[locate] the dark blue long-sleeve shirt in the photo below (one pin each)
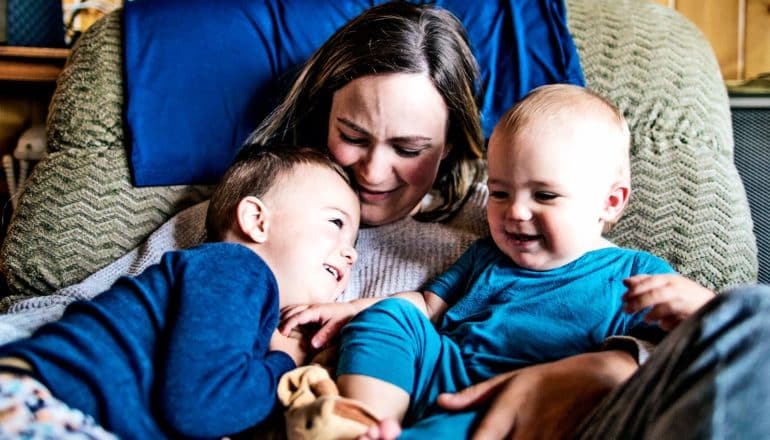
(180, 350)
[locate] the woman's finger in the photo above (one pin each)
(499, 422)
(473, 395)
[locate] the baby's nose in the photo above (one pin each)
(350, 255)
(519, 211)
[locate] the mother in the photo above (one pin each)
(391, 95)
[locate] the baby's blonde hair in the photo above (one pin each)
(555, 102)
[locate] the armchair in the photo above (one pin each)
(79, 210)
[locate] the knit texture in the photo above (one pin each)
(79, 211)
(392, 258)
(688, 204)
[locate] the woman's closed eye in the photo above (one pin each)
(406, 152)
(353, 140)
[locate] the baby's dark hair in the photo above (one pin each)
(254, 171)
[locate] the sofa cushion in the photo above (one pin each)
(687, 205)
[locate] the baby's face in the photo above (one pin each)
(548, 194)
(313, 223)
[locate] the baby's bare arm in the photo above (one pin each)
(428, 302)
(333, 316)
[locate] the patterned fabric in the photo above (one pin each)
(688, 205)
(35, 23)
(29, 411)
(79, 211)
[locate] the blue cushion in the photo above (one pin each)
(201, 74)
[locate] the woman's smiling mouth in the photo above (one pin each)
(373, 196)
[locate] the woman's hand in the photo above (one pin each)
(544, 401)
(330, 317)
(671, 298)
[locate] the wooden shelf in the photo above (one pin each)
(31, 64)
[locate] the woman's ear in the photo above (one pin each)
(616, 201)
(253, 218)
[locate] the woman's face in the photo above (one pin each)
(389, 131)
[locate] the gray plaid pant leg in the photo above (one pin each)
(709, 378)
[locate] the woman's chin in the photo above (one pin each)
(380, 219)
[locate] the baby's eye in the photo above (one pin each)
(498, 194)
(545, 196)
(337, 222)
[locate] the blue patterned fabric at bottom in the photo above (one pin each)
(29, 411)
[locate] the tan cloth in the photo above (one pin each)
(315, 410)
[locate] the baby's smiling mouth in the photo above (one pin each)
(333, 271)
(524, 237)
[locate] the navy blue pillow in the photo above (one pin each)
(201, 74)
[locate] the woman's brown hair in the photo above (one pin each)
(395, 37)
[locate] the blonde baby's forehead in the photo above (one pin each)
(557, 104)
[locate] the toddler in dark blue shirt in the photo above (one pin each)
(189, 348)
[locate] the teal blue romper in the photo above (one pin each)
(501, 317)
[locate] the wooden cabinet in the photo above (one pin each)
(27, 81)
(739, 32)
(30, 64)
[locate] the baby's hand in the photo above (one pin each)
(330, 317)
(293, 343)
(672, 297)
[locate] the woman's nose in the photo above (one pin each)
(375, 166)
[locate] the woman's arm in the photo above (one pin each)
(544, 401)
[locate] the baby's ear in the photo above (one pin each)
(616, 201)
(253, 218)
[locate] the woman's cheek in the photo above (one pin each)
(343, 154)
(423, 172)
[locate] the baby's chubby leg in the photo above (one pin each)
(392, 359)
